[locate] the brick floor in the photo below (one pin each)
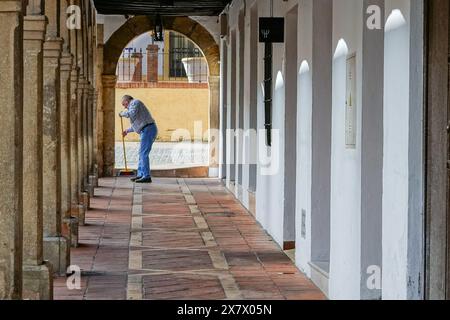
(186, 239)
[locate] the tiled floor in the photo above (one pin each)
(178, 239)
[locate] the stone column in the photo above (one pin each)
(80, 136)
(137, 59)
(55, 245)
(99, 87)
(214, 124)
(90, 123)
(91, 129)
(11, 151)
(81, 57)
(82, 146)
(81, 103)
(85, 129)
(77, 209)
(94, 176)
(109, 98)
(94, 164)
(85, 117)
(56, 248)
(66, 68)
(152, 63)
(85, 102)
(37, 275)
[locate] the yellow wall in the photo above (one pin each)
(172, 109)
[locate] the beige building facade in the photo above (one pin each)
(178, 112)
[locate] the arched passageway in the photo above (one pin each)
(112, 51)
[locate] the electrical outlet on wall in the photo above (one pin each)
(351, 104)
(303, 224)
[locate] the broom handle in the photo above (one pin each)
(123, 143)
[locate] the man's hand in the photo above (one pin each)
(125, 133)
(120, 115)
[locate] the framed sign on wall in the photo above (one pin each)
(271, 30)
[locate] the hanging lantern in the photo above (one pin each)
(158, 33)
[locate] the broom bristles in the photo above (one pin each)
(125, 173)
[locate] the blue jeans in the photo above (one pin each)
(148, 137)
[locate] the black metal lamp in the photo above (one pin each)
(158, 33)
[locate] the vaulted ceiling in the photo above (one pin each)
(163, 7)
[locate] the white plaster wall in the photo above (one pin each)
(304, 137)
(270, 192)
(396, 141)
(231, 99)
(270, 189)
(241, 93)
(345, 249)
(223, 107)
(246, 142)
(232, 168)
(345, 258)
(269, 195)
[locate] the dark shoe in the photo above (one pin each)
(144, 180)
(135, 178)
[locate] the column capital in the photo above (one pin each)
(34, 27)
(83, 83)
(81, 77)
(11, 6)
(66, 62)
(91, 89)
(75, 71)
(214, 80)
(109, 81)
(52, 47)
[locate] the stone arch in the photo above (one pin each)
(141, 24)
(112, 51)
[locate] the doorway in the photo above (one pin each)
(171, 78)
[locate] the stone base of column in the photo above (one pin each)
(66, 226)
(85, 200)
(93, 181)
(57, 252)
(96, 175)
(74, 232)
(38, 282)
(79, 212)
(90, 189)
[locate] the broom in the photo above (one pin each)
(126, 172)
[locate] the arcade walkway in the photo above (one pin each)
(178, 239)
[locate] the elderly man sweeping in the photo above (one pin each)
(143, 124)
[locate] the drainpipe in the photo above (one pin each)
(268, 66)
